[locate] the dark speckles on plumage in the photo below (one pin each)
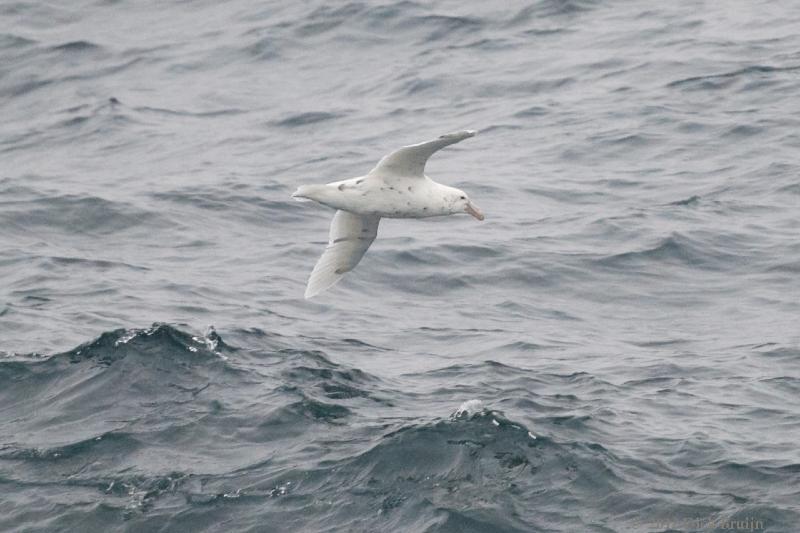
(391, 188)
(409, 188)
(358, 182)
(424, 208)
(341, 187)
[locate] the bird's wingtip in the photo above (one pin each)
(318, 285)
(459, 135)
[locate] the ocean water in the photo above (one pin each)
(616, 348)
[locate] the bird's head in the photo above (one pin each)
(459, 202)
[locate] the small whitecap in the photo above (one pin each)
(469, 408)
(211, 338)
(280, 490)
(127, 337)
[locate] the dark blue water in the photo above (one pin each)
(616, 348)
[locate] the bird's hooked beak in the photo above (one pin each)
(473, 210)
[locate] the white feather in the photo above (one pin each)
(350, 237)
(409, 161)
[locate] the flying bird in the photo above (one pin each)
(396, 188)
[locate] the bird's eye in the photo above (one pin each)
(463, 197)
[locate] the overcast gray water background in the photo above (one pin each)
(627, 315)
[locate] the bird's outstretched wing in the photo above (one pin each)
(349, 239)
(409, 161)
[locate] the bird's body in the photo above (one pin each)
(396, 188)
(374, 195)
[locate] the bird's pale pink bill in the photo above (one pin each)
(473, 210)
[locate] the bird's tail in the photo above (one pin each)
(304, 193)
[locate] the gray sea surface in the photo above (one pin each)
(615, 348)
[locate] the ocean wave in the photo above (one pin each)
(614, 348)
(77, 214)
(726, 79)
(678, 249)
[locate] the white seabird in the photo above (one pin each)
(396, 188)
